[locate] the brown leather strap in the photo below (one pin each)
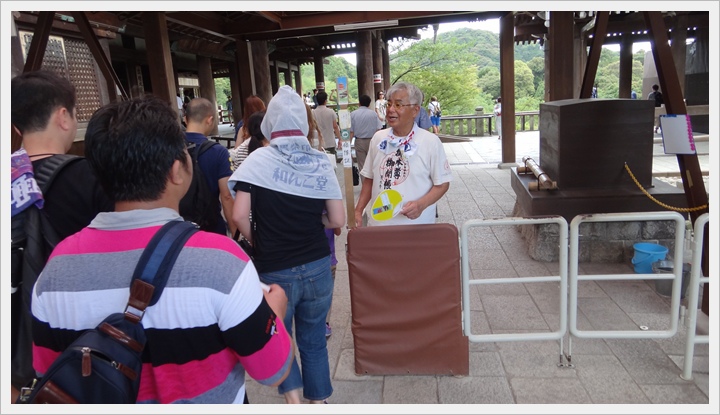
(140, 296)
(52, 394)
(120, 336)
(128, 372)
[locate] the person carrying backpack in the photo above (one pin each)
(211, 325)
(54, 195)
(204, 200)
(656, 96)
(435, 113)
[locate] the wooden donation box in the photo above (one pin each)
(405, 294)
(585, 143)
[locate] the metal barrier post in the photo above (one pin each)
(696, 279)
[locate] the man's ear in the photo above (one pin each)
(64, 118)
(178, 173)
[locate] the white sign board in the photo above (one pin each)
(677, 134)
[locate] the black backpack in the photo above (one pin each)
(199, 205)
(657, 96)
(658, 99)
(103, 365)
(33, 239)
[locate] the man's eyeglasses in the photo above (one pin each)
(398, 105)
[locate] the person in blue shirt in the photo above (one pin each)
(201, 119)
(423, 119)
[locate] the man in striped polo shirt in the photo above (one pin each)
(213, 322)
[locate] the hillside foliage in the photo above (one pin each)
(462, 69)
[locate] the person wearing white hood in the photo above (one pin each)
(287, 186)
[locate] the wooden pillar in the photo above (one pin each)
(111, 90)
(102, 58)
(261, 69)
(135, 89)
(246, 75)
(235, 91)
(298, 80)
(288, 76)
(36, 53)
(561, 64)
(207, 85)
(625, 75)
(688, 163)
(678, 37)
(386, 66)
(364, 62)
(319, 71)
(274, 77)
(601, 21)
(580, 59)
(507, 87)
(377, 63)
(157, 44)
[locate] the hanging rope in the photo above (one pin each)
(666, 206)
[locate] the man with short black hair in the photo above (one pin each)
(327, 123)
(656, 96)
(364, 123)
(44, 113)
(212, 324)
(215, 162)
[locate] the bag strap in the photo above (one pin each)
(50, 168)
(205, 146)
(153, 269)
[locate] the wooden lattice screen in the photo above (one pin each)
(72, 59)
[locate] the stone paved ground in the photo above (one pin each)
(606, 371)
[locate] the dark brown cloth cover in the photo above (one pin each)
(405, 294)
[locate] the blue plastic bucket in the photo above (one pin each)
(645, 254)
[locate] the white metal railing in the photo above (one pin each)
(562, 279)
(696, 279)
(676, 276)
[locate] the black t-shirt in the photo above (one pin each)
(289, 231)
(74, 198)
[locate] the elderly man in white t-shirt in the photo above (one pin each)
(406, 159)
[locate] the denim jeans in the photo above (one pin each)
(309, 289)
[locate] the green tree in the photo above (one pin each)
(537, 66)
(489, 81)
(222, 90)
(442, 69)
(524, 81)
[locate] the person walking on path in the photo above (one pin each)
(285, 188)
(497, 112)
(326, 120)
(215, 162)
(44, 114)
(363, 124)
(656, 96)
(211, 325)
(435, 113)
(381, 109)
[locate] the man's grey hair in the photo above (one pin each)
(414, 94)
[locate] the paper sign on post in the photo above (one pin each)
(677, 134)
(346, 154)
(344, 119)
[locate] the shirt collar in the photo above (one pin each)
(133, 219)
